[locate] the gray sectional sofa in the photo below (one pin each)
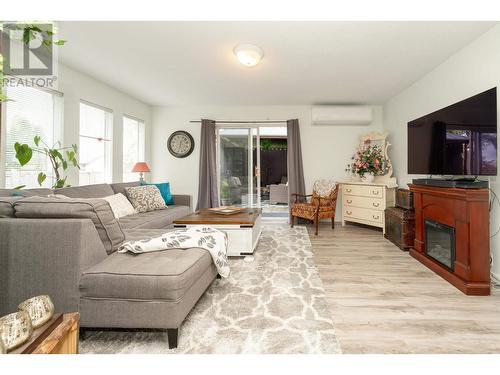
(66, 248)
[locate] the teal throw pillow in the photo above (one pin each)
(164, 188)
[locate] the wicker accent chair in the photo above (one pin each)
(322, 204)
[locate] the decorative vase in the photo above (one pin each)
(15, 329)
(39, 308)
(367, 178)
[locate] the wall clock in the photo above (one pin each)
(180, 144)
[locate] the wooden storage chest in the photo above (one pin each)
(400, 227)
(404, 199)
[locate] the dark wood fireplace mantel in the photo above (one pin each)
(465, 210)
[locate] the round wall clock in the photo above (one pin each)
(180, 144)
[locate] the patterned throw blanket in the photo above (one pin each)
(210, 239)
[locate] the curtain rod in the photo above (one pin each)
(244, 122)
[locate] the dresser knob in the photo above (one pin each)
(349, 201)
(348, 212)
(375, 192)
(376, 204)
(376, 217)
(348, 190)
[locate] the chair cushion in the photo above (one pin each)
(145, 198)
(154, 219)
(97, 210)
(307, 211)
(7, 206)
(161, 275)
(87, 191)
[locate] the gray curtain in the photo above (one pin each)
(296, 183)
(207, 186)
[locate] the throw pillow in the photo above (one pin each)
(145, 198)
(164, 188)
(120, 205)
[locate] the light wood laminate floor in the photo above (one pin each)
(384, 301)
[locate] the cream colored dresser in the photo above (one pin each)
(365, 203)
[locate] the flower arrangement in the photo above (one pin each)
(368, 159)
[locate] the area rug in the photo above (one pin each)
(275, 304)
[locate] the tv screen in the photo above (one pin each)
(460, 139)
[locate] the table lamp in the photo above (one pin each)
(141, 167)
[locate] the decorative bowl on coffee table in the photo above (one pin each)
(15, 329)
(39, 308)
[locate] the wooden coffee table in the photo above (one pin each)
(243, 229)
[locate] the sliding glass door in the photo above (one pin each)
(252, 168)
(238, 166)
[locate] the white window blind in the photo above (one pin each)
(133, 146)
(30, 112)
(95, 151)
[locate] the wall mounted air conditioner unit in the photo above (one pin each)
(341, 115)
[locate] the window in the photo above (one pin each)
(30, 112)
(133, 146)
(96, 129)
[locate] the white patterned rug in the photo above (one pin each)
(275, 304)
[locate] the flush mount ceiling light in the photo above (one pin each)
(248, 54)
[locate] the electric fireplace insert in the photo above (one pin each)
(440, 243)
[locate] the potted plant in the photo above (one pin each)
(368, 161)
(225, 193)
(61, 158)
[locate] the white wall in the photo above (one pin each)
(325, 149)
(470, 71)
(77, 86)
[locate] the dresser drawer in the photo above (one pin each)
(364, 191)
(364, 202)
(363, 214)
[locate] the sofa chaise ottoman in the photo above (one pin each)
(66, 248)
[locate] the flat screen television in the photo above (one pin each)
(459, 140)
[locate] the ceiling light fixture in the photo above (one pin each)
(248, 54)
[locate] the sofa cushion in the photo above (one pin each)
(7, 206)
(87, 191)
(42, 192)
(145, 198)
(97, 210)
(154, 219)
(119, 187)
(161, 275)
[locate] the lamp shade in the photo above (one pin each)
(141, 167)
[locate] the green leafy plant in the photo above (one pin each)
(61, 158)
(225, 190)
(267, 144)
